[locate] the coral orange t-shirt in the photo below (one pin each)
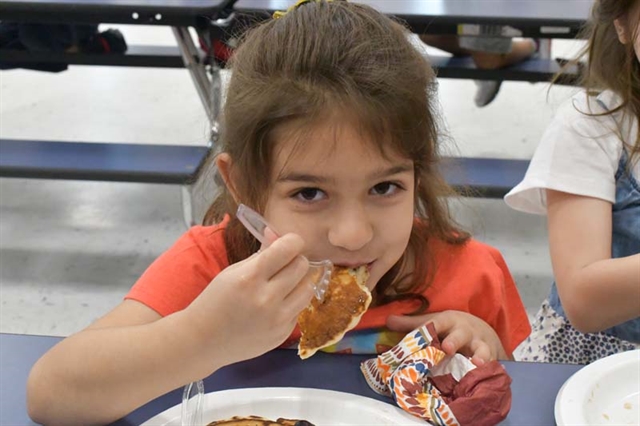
(472, 277)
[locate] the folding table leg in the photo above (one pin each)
(215, 102)
(187, 206)
(191, 57)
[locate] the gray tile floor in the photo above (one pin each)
(70, 250)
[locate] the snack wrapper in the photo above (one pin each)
(441, 389)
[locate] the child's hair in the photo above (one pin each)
(612, 65)
(322, 60)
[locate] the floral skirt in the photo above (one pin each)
(553, 339)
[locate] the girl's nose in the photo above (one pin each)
(351, 230)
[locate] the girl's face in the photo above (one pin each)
(349, 203)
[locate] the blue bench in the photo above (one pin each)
(483, 177)
(119, 162)
(136, 56)
(170, 164)
(531, 70)
(116, 162)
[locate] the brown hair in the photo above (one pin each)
(317, 59)
(611, 64)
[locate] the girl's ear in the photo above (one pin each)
(621, 30)
(225, 165)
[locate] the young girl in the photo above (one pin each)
(329, 131)
(585, 176)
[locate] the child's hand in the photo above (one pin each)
(252, 306)
(458, 332)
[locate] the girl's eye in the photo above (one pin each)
(309, 194)
(385, 188)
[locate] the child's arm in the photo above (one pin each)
(597, 292)
(458, 332)
(132, 355)
(107, 370)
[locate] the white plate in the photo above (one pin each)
(318, 406)
(606, 392)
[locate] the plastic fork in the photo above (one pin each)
(192, 402)
(319, 271)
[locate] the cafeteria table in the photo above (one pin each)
(527, 18)
(534, 385)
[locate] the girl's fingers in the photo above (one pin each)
(271, 236)
(449, 346)
(481, 353)
(403, 323)
(287, 279)
(456, 340)
(454, 336)
(446, 323)
(300, 296)
(279, 254)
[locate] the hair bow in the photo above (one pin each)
(280, 13)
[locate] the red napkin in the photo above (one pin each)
(441, 389)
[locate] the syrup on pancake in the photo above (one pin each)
(259, 421)
(324, 323)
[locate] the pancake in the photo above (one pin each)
(324, 323)
(259, 421)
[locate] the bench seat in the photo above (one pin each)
(136, 56)
(168, 164)
(483, 177)
(532, 70)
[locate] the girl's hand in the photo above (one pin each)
(252, 306)
(458, 332)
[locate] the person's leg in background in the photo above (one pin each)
(448, 43)
(494, 53)
(487, 53)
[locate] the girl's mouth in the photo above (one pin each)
(354, 265)
(370, 265)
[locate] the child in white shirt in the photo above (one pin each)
(585, 177)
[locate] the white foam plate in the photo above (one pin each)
(605, 392)
(318, 406)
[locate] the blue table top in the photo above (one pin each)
(520, 13)
(533, 18)
(460, 11)
(140, 12)
(534, 385)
